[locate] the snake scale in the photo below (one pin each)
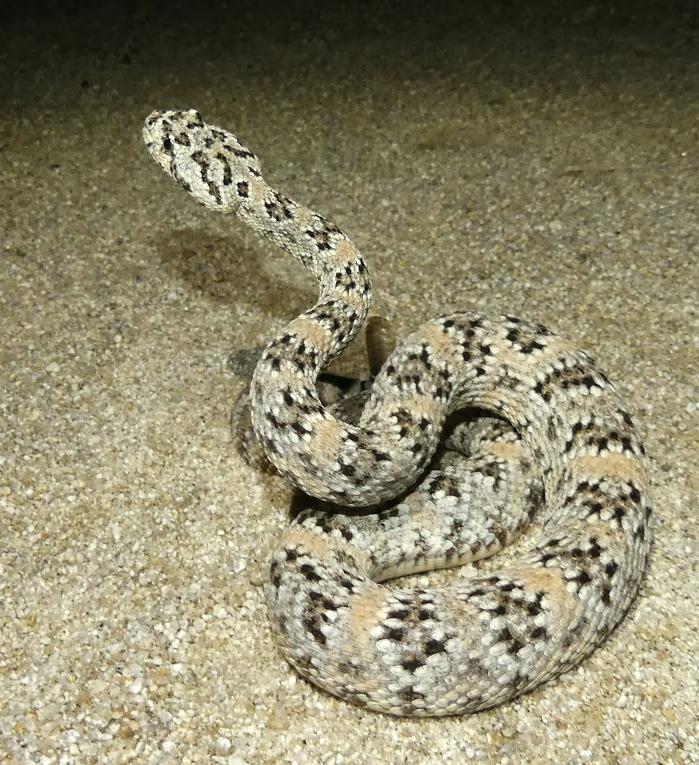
(559, 442)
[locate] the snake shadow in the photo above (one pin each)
(226, 270)
(229, 271)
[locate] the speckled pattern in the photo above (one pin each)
(546, 160)
(442, 651)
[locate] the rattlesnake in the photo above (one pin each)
(570, 452)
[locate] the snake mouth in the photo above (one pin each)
(157, 141)
(150, 126)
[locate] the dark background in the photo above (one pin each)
(72, 52)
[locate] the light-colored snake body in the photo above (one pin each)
(573, 455)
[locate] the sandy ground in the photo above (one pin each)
(519, 160)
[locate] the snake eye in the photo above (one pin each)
(167, 144)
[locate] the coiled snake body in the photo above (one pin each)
(571, 453)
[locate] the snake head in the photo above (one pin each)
(206, 161)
